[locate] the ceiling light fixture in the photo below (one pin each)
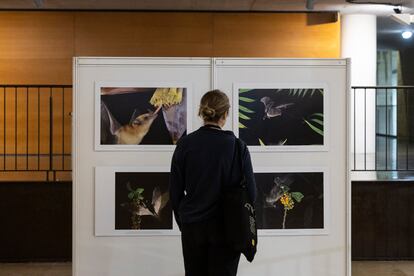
(407, 34)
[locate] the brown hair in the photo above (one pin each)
(213, 105)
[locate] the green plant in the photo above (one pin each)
(288, 201)
(315, 122)
(137, 198)
(243, 110)
(302, 92)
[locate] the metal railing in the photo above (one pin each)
(35, 139)
(380, 128)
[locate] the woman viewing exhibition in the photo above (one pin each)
(202, 164)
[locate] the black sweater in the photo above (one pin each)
(201, 164)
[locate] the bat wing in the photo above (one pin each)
(284, 106)
(159, 200)
(108, 118)
(143, 211)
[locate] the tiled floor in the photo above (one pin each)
(402, 268)
(36, 269)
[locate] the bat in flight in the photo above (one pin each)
(272, 109)
(131, 133)
(279, 185)
(153, 207)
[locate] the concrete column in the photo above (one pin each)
(359, 42)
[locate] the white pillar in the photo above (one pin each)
(359, 42)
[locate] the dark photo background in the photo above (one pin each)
(148, 181)
(122, 107)
(307, 214)
(289, 125)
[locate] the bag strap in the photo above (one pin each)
(238, 159)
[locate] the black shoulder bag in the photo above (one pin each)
(239, 214)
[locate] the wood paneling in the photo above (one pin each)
(275, 35)
(36, 221)
(144, 34)
(382, 220)
(37, 47)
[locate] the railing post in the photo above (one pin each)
(50, 134)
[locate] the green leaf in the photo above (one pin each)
(241, 125)
(131, 195)
(242, 90)
(261, 142)
(244, 117)
(139, 190)
(318, 114)
(282, 142)
(246, 100)
(245, 109)
(314, 128)
(298, 196)
(140, 197)
(317, 121)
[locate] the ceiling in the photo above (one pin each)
(209, 5)
(388, 31)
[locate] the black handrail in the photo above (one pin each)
(384, 158)
(30, 103)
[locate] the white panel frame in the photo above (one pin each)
(105, 203)
(134, 84)
(90, 252)
(326, 202)
(298, 85)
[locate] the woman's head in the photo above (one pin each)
(214, 106)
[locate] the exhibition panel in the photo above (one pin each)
(130, 112)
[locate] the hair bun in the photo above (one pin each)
(208, 112)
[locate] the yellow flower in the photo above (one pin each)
(167, 96)
(287, 201)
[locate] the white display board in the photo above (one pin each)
(97, 250)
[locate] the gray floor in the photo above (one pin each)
(402, 268)
(36, 269)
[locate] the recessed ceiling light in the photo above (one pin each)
(407, 34)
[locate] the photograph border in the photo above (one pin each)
(97, 110)
(105, 202)
(326, 202)
(299, 85)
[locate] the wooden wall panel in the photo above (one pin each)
(144, 34)
(36, 47)
(276, 35)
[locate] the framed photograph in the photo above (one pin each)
(141, 116)
(133, 201)
(282, 117)
(292, 201)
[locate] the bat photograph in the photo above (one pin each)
(281, 117)
(293, 200)
(142, 116)
(142, 201)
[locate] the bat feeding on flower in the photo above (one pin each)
(280, 184)
(170, 100)
(140, 206)
(272, 109)
(131, 133)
